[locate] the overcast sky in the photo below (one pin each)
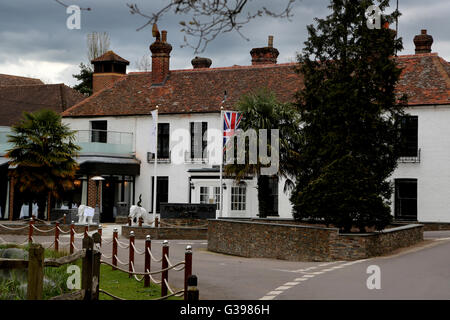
(35, 42)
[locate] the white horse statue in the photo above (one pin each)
(139, 212)
(85, 212)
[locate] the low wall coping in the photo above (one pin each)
(275, 224)
(404, 227)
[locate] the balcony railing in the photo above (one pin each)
(161, 159)
(410, 159)
(4, 144)
(104, 142)
(189, 159)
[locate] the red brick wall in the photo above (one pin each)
(104, 80)
(92, 193)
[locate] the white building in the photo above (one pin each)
(190, 100)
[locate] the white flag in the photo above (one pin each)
(153, 131)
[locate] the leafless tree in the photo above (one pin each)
(144, 63)
(209, 18)
(66, 5)
(97, 44)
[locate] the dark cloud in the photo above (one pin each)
(33, 34)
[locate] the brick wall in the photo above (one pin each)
(289, 241)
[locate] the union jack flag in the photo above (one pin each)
(231, 122)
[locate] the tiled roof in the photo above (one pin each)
(425, 79)
(14, 100)
(110, 56)
(186, 91)
(8, 80)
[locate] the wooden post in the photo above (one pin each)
(57, 236)
(96, 275)
(100, 232)
(64, 219)
(87, 272)
(192, 293)
(72, 237)
(30, 231)
(86, 229)
(148, 259)
(131, 254)
(156, 222)
(187, 269)
(114, 248)
(35, 272)
(165, 264)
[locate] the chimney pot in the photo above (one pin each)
(160, 58)
(423, 42)
(199, 62)
(265, 55)
(270, 44)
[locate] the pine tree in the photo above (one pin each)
(349, 109)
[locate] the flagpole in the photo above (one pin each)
(221, 165)
(155, 168)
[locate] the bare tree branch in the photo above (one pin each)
(209, 18)
(66, 5)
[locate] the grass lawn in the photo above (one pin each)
(115, 282)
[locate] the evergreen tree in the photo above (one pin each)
(43, 154)
(85, 76)
(262, 110)
(348, 108)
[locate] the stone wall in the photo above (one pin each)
(289, 241)
(169, 233)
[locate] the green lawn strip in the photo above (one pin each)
(115, 282)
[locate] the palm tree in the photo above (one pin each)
(261, 110)
(43, 154)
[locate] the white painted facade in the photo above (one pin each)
(433, 170)
(184, 186)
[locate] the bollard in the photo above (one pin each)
(114, 248)
(192, 293)
(187, 269)
(72, 237)
(57, 236)
(147, 263)
(131, 254)
(129, 222)
(165, 265)
(64, 219)
(30, 231)
(86, 229)
(140, 221)
(100, 231)
(156, 222)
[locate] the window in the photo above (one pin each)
(217, 197)
(238, 198)
(98, 131)
(163, 141)
(199, 142)
(162, 191)
(204, 194)
(408, 126)
(273, 186)
(406, 199)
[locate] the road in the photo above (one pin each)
(421, 272)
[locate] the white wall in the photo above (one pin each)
(433, 171)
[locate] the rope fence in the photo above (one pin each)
(147, 276)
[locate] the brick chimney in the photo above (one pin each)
(423, 42)
(265, 55)
(108, 68)
(199, 62)
(160, 57)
